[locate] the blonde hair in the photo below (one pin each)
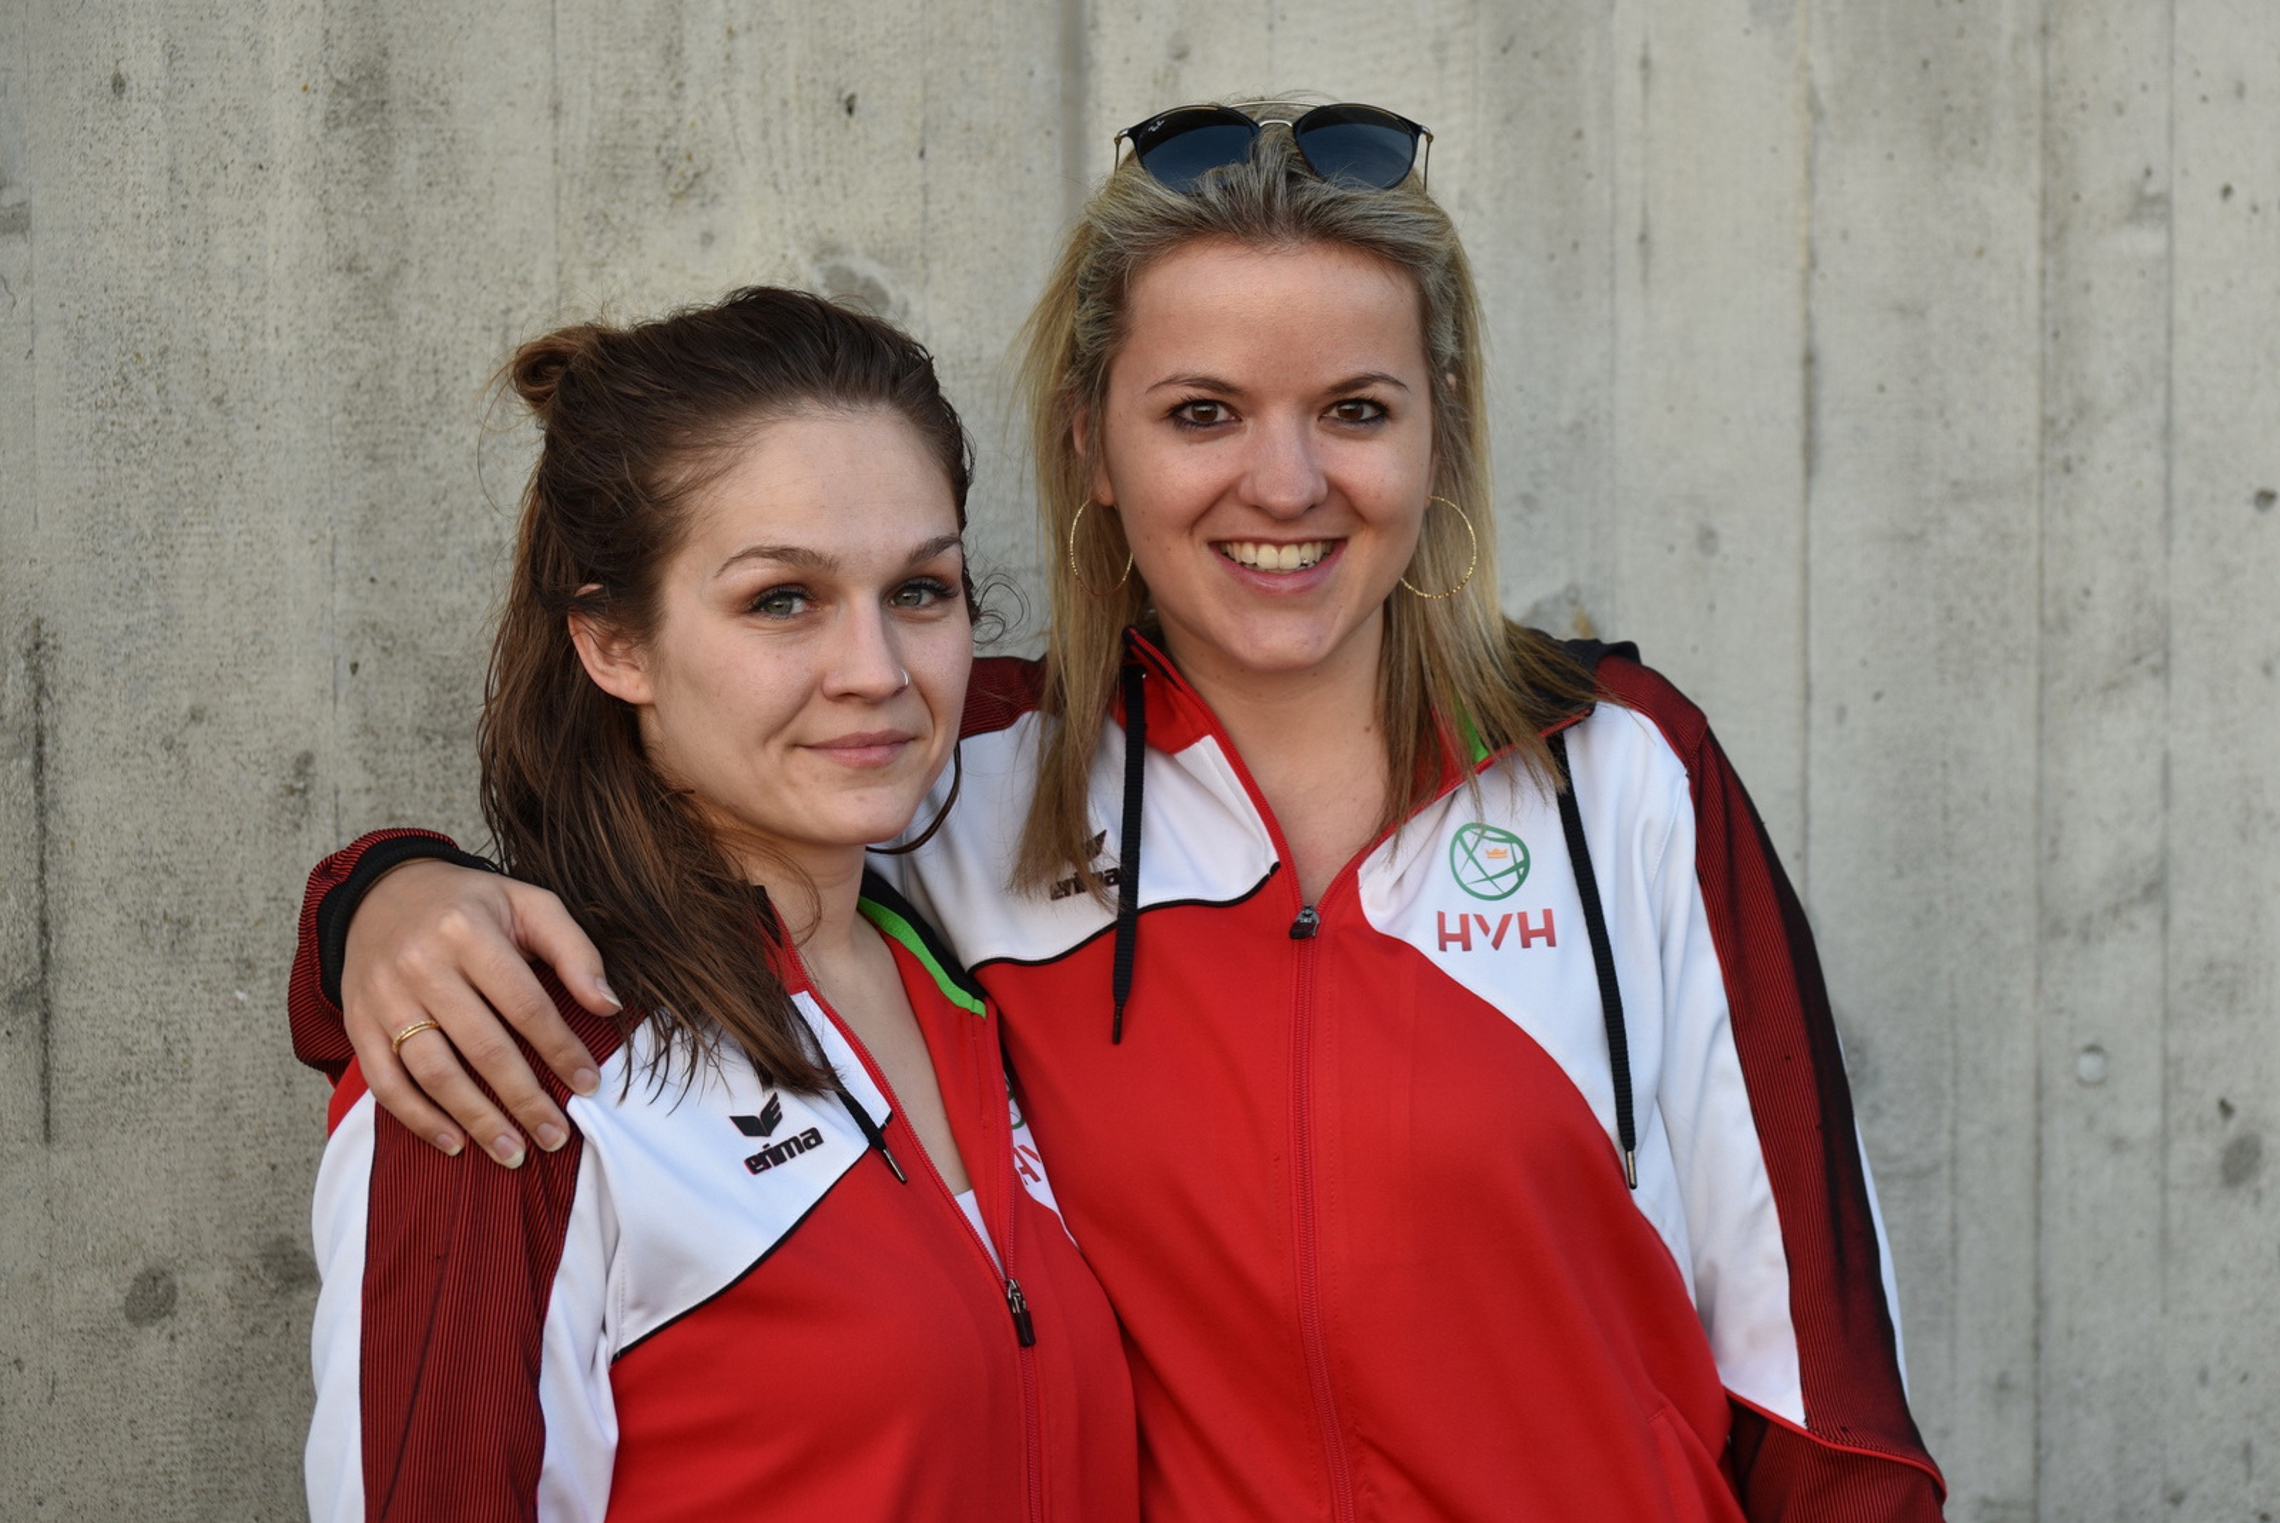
(1454, 671)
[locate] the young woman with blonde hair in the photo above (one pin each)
(1429, 1051)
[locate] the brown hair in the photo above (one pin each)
(636, 419)
(1454, 668)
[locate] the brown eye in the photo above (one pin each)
(1358, 410)
(1202, 412)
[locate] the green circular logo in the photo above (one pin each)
(1488, 863)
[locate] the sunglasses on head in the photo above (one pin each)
(1361, 146)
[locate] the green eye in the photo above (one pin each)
(924, 593)
(781, 603)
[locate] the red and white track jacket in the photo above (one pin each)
(1350, 1176)
(717, 1301)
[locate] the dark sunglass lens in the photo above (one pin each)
(1181, 148)
(1357, 146)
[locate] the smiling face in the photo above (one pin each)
(1267, 441)
(808, 666)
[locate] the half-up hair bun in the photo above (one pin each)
(537, 369)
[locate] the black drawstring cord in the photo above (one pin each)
(871, 1132)
(1602, 961)
(1128, 860)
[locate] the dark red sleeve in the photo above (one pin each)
(460, 1260)
(312, 998)
(459, 1263)
(1859, 1458)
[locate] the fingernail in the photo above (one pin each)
(449, 1143)
(585, 1081)
(602, 986)
(551, 1136)
(508, 1150)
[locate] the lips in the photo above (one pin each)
(1261, 555)
(865, 748)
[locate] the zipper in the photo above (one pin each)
(1023, 1328)
(1311, 1335)
(991, 1058)
(1305, 929)
(1016, 1303)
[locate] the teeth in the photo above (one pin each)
(1264, 557)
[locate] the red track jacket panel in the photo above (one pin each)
(717, 1301)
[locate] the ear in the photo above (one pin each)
(1081, 436)
(613, 661)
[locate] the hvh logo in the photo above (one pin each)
(1459, 933)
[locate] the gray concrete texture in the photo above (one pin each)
(1902, 374)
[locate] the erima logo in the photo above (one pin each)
(764, 1125)
(1488, 863)
(1068, 887)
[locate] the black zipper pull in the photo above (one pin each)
(871, 1133)
(1307, 923)
(1023, 1329)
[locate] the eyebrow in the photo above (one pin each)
(1228, 388)
(817, 560)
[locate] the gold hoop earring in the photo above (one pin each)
(957, 781)
(1470, 566)
(1078, 576)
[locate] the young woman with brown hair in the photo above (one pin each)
(783, 1262)
(1430, 1051)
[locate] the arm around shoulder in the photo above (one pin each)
(401, 937)
(337, 886)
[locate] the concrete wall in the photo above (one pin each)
(1901, 373)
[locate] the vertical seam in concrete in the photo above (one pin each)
(2040, 1011)
(1643, 239)
(20, 118)
(1076, 106)
(1639, 174)
(43, 925)
(1605, 571)
(1475, 119)
(554, 140)
(922, 309)
(2168, 628)
(1809, 432)
(337, 688)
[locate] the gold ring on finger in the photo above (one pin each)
(396, 1042)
